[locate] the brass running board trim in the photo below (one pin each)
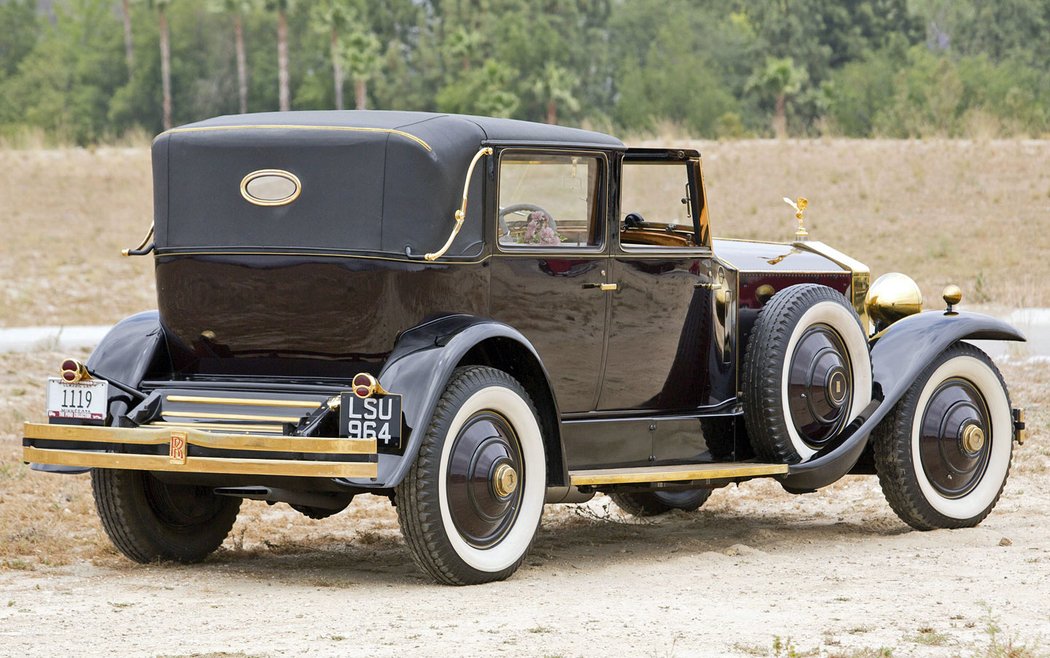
(678, 473)
(243, 402)
(220, 416)
(85, 458)
(149, 435)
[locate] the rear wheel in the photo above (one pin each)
(147, 519)
(470, 505)
(654, 503)
(943, 454)
(807, 373)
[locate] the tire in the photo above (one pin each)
(462, 529)
(149, 520)
(807, 373)
(930, 473)
(654, 503)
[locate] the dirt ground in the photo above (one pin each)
(756, 572)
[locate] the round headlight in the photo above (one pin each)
(893, 296)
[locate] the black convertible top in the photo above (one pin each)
(370, 180)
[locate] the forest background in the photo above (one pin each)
(89, 71)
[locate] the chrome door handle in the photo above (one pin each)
(604, 287)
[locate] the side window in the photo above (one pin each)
(549, 200)
(656, 208)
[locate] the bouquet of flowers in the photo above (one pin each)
(538, 229)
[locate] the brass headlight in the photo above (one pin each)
(893, 296)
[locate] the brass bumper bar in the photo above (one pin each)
(192, 464)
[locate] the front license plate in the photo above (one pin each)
(83, 400)
(377, 417)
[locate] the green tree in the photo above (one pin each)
(281, 8)
(361, 55)
(779, 79)
(332, 18)
(237, 9)
(558, 85)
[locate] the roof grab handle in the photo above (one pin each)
(144, 247)
(461, 214)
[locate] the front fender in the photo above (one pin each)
(898, 357)
(419, 368)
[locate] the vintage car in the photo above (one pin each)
(477, 316)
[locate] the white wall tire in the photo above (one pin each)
(806, 373)
(484, 423)
(936, 480)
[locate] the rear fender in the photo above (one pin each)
(421, 365)
(123, 357)
(898, 357)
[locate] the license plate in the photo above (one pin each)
(83, 400)
(377, 417)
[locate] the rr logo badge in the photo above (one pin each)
(177, 448)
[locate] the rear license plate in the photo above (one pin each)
(83, 400)
(377, 417)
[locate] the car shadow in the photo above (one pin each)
(580, 535)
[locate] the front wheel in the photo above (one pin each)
(943, 454)
(471, 503)
(147, 519)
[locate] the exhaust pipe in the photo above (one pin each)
(566, 495)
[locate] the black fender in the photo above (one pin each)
(127, 353)
(421, 365)
(898, 356)
(123, 358)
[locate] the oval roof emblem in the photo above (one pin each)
(270, 187)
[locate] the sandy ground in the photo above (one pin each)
(828, 574)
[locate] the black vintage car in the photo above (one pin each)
(477, 316)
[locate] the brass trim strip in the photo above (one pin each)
(233, 427)
(679, 473)
(264, 126)
(243, 402)
(85, 458)
(219, 416)
(414, 261)
(158, 436)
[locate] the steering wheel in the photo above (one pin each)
(524, 208)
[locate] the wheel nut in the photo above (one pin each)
(973, 438)
(504, 480)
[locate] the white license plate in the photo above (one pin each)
(83, 400)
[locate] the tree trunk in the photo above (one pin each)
(337, 70)
(780, 122)
(129, 47)
(282, 61)
(552, 112)
(165, 64)
(361, 93)
(242, 64)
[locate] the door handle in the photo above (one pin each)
(604, 287)
(708, 286)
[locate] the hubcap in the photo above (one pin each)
(954, 440)
(484, 469)
(820, 385)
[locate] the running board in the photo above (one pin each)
(677, 473)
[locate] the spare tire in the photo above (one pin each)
(807, 373)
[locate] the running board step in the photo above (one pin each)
(677, 473)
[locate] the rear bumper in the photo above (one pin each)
(187, 450)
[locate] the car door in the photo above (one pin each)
(550, 266)
(668, 351)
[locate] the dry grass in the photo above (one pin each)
(974, 213)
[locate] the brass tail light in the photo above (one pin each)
(365, 386)
(74, 371)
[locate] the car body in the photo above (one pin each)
(333, 286)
